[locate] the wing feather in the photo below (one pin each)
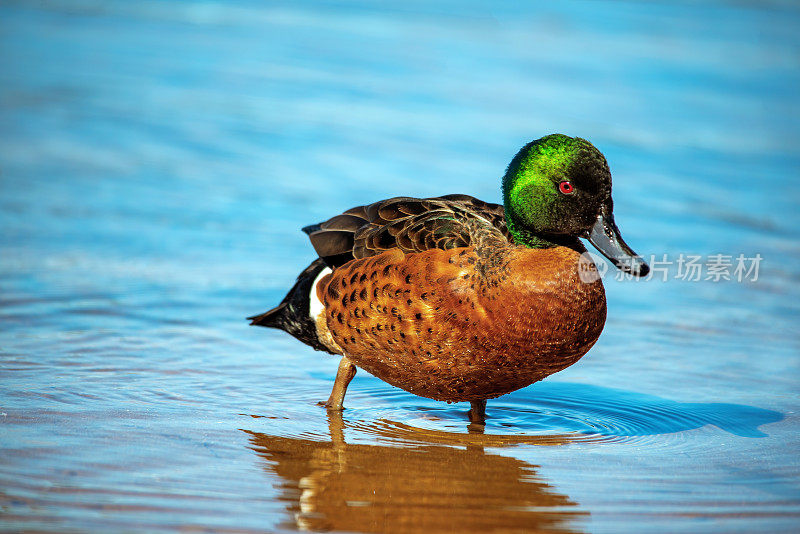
(410, 224)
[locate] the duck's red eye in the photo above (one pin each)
(566, 187)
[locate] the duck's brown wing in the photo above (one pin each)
(410, 224)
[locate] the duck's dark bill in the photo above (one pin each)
(606, 238)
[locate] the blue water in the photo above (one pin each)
(157, 160)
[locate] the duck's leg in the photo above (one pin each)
(477, 412)
(344, 375)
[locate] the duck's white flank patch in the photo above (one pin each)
(315, 305)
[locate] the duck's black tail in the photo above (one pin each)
(292, 315)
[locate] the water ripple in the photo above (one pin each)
(555, 413)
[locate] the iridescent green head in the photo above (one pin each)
(557, 189)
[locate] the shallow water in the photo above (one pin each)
(158, 158)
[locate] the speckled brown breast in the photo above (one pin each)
(442, 325)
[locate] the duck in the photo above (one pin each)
(457, 299)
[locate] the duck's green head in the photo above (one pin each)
(557, 189)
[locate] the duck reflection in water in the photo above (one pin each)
(425, 484)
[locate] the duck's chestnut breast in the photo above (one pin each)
(458, 325)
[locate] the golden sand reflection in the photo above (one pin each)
(429, 482)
